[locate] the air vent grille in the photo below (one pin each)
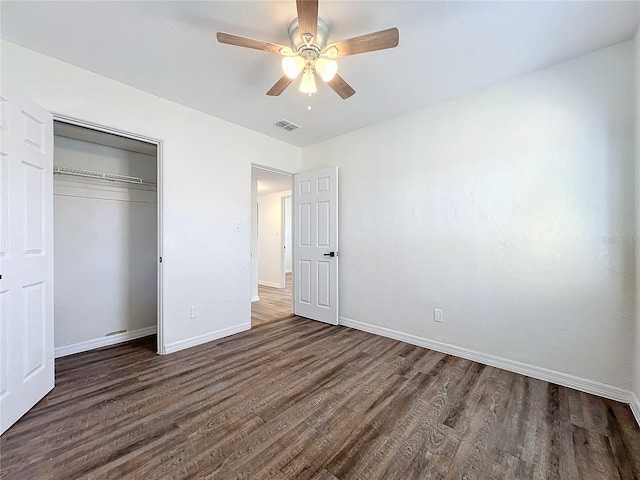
(287, 125)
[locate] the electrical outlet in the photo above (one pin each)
(437, 315)
(195, 311)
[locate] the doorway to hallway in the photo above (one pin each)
(274, 303)
(271, 263)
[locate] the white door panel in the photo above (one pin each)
(26, 256)
(315, 239)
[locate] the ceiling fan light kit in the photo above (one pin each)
(308, 83)
(292, 66)
(327, 69)
(310, 53)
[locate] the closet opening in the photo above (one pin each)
(107, 237)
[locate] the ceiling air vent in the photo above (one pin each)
(287, 125)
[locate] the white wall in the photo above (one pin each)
(207, 171)
(495, 207)
(105, 237)
(270, 241)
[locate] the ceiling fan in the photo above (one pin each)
(310, 53)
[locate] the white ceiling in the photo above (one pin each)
(447, 49)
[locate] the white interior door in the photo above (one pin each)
(315, 240)
(26, 256)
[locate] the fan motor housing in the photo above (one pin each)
(319, 43)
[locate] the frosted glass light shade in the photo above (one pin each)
(308, 84)
(326, 68)
(292, 66)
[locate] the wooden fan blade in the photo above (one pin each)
(341, 87)
(238, 41)
(307, 18)
(367, 43)
(280, 86)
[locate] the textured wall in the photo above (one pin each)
(508, 209)
(270, 252)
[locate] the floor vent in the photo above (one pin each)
(287, 125)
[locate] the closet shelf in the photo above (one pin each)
(100, 175)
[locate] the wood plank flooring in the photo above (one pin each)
(274, 303)
(297, 399)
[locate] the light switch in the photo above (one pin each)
(238, 226)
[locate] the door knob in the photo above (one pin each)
(330, 254)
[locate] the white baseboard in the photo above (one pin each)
(270, 284)
(255, 298)
(65, 350)
(553, 376)
(207, 337)
(635, 407)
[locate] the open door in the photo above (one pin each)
(26, 255)
(315, 240)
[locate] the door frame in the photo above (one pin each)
(282, 254)
(57, 117)
(283, 231)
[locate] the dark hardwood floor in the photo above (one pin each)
(274, 303)
(298, 399)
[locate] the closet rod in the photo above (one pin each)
(113, 177)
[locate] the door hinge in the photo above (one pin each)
(160, 259)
